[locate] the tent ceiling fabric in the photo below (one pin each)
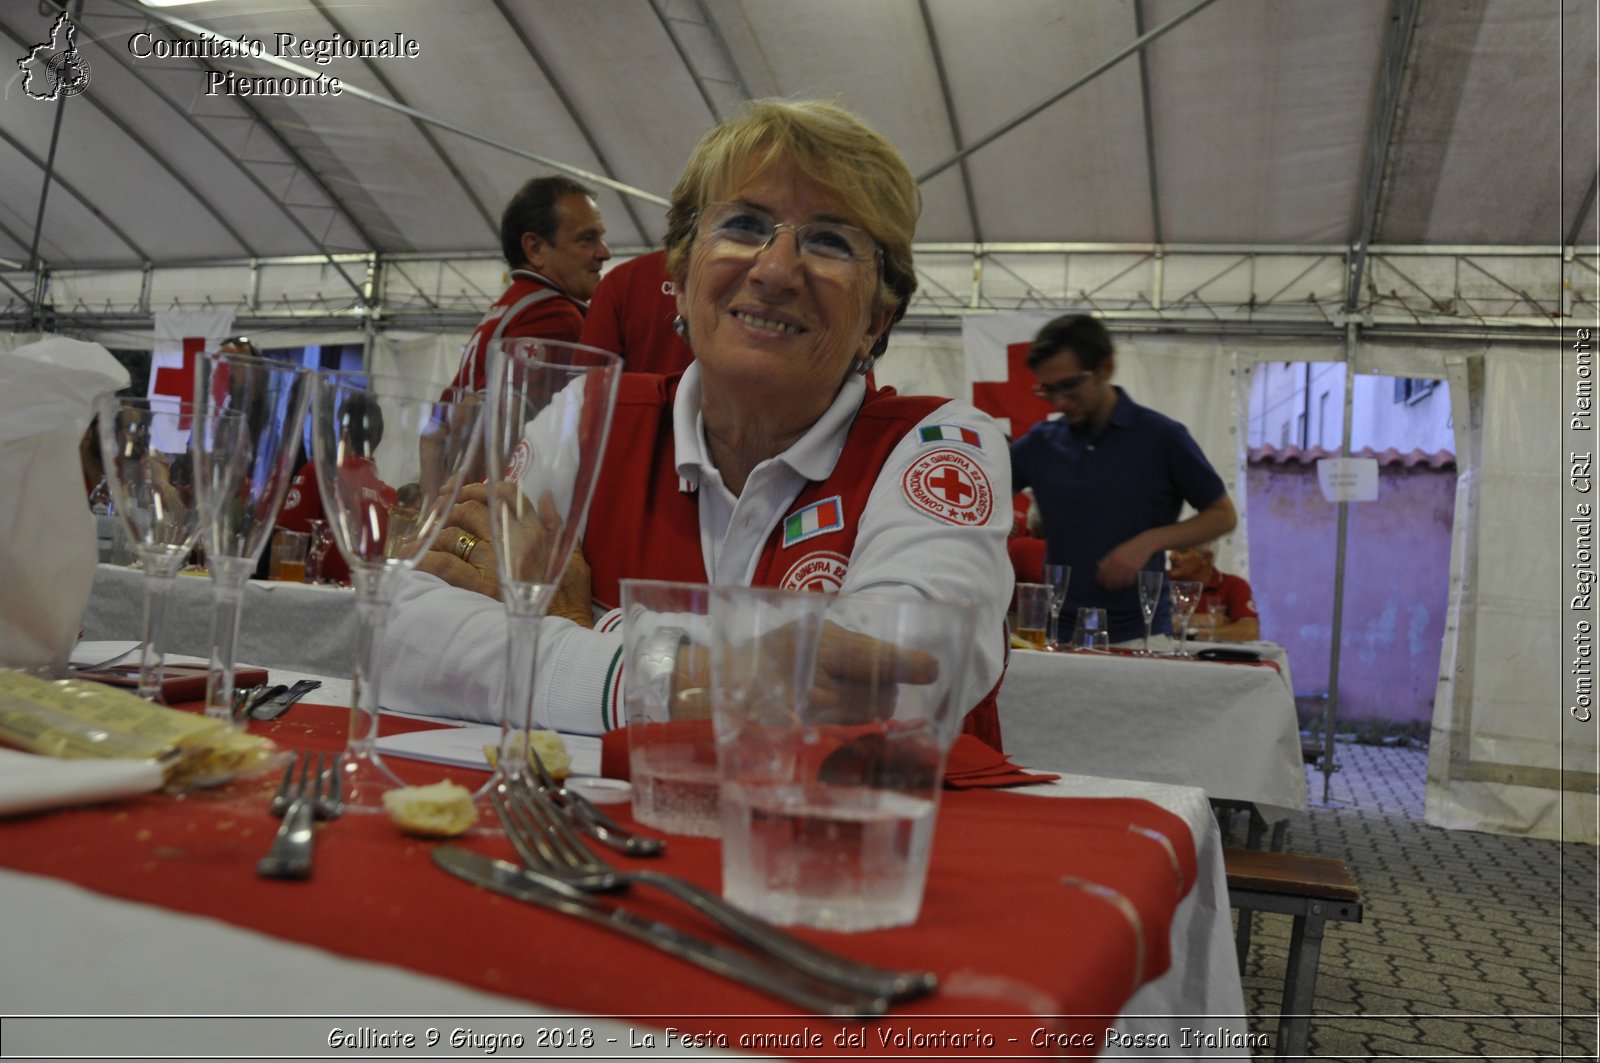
(1260, 120)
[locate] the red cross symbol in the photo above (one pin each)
(179, 382)
(1013, 397)
(952, 485)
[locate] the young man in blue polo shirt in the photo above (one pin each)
(1111, 478)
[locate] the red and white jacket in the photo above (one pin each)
(884, 493)
(531, 306)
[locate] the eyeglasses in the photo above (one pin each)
(1061, 387)
(742, 229)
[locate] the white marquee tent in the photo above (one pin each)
(1406, 185)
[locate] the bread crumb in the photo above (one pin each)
(442, 810)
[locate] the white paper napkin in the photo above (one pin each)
(29, 782)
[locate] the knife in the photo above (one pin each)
(276, 702)
(785, 983)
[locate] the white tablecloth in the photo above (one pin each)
(281, 625)
(1229, 729)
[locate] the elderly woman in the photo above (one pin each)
(769, 462)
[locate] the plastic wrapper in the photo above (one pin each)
(47, 534)
(71, 718)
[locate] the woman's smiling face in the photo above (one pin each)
(772, 319)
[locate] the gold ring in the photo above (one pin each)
(464, 545)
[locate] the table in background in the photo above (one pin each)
(1227, 728)
(282, 625)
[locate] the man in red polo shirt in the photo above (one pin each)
(1237, 620)
(553, 239)
(632, 314)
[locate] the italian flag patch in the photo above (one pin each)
(815, 519)
(949, 433)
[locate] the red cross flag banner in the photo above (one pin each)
(996, 348)
(180, 337)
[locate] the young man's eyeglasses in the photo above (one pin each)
(1061, 387)
(748, 230)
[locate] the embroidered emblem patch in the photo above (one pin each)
(519, 461)
(949, 485)
(821, 570)
(816, 519)
(948, 433)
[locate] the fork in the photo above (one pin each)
(328, 798)
(552, 850)
(590, 819)
(290, 855)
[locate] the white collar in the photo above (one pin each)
(524, 272)
(813, 455)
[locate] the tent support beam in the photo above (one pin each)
(1582, 215)
(360, 93)
(1397, 46)
(302, 169)
(1007, 126)
(950, 116)
(49, 171)
(72, 190)
(1330, 708)
(701, 81)
(1149, 125)
(426, 133)
(172, 171)
(571, 109)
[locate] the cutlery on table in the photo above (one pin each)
(554, 854)
(310, 789)
(742, 967)
(276, 701)
(583, 814)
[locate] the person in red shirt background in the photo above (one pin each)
(361, 427)
(553, 238)
(632, 314)
(1026, 545)
(1237, 620)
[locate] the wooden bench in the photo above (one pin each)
(1312, 889)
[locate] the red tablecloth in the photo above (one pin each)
(1024, 914)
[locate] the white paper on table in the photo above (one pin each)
(30, 783)
(462, 747)
(100, 653)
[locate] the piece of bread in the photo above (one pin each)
(442, 810)
(552, 752)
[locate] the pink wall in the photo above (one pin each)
(1396, 583)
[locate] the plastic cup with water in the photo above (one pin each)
(672, 758)
(833, 718)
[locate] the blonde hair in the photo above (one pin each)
(832, 147)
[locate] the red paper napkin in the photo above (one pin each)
(973, 764)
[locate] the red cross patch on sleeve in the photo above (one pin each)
(949, 485)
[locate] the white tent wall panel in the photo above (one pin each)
(1501, 731)
(918, 363)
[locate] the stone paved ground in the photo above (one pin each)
(1472, 945)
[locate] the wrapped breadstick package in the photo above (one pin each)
(71, 718)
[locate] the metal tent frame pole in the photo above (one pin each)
(1330, 708)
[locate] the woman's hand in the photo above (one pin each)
(459, 561)
(573, 598)
(471, 569)
(856, 679)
